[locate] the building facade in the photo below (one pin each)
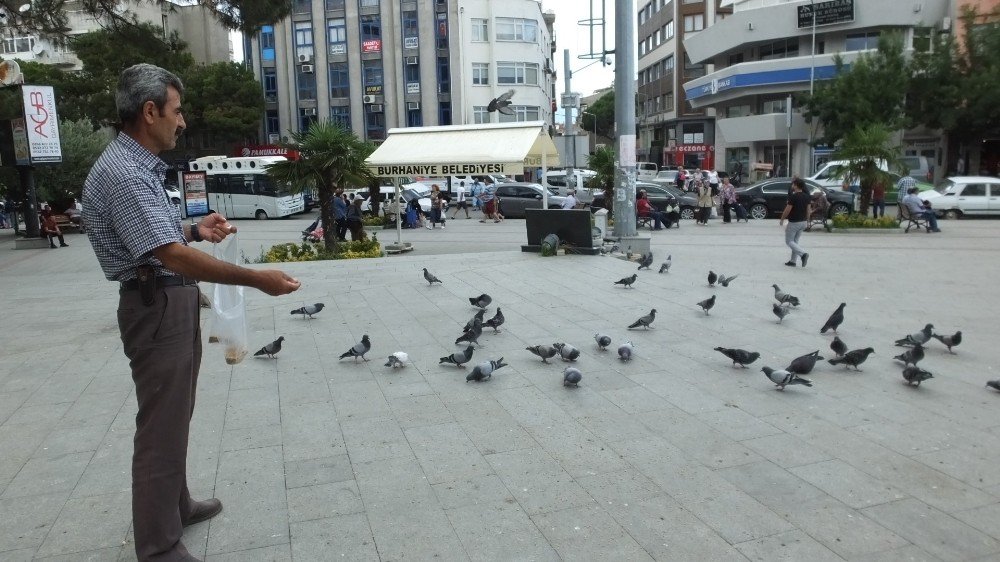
(671, 130)
(372, 65)
(764, 52)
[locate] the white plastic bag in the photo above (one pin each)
(229, 318)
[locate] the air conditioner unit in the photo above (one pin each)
(411, 60)
(273, 138)
(412, 105)
(305, 59)
(309, 111)
(946, 24)
(377, 108)
(368, 99)
(307, 69)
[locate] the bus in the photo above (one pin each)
(240, 188)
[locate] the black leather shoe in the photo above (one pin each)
(805, 258)
(790, 263)
(203, 511)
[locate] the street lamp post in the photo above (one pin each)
(590, 145)
(812, 80)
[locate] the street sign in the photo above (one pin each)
(827, 13)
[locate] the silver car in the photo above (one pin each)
(515, 197)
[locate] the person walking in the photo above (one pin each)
(878, 199)
(340, 214)
(489, 199)
(475, 192)
(438, 206)
(797, 212)
(354, 220)
(460, 204)
(728, 195)
(705, 200)
(140, 243)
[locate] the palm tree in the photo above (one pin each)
(329, 157)
(869, 149)
(602, 161)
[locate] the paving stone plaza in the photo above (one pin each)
(675, 455)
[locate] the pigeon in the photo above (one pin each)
(950, 341)
(783, 378)
(665, 266)
(644, 321)
(543, 351)
(921, 337)
(835, 319)
(309, 310)
(784, 298)
(712, 278)
(603, 341)
(501, 103)
(646, 260)
(496, 321)
(911, 356)
(397, 359)
(430, 277)
(482, 301)
(271, 349)
(913, 374)
(804, 364)
(627, 281)
(567, 351)
(853, 358)
(485, 370)
(725, 281)
(472, 334)
(625, 351)
(995, 385)
(779, 311)
(479, 315)
(707, 304)
(572, 376)
(359, 349)
(838, 346)
(740, 357)
(459, 358)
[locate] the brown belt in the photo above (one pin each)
(161, 281)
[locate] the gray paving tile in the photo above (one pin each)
(445, 453)
(23, 555)
(252, 407)
(397, 483)
(935, 532)
(318, 471)
(698, 439)
(91, 523)
(25, 521)
(346, 536)
(252, 488)
(986, 519)
(737, 424)
(323, 501)
(588, 533)
(422, 532)
(374, 439)
(975, 467)
(276, 553)
(71, 440)
(110, 468)
(251, 437)
(847, 484)
(785, 450)
(905, 554)
(100, 555)
(473, 490)
(311, 431)
(537, 481)
(48, 474)
(360, 399)
(499, 531)
(417, 411)
(791, 545)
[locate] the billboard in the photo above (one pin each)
(42, 123)
(195, 194)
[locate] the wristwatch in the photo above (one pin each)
(195, 235)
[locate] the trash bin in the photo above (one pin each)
(550, 245)
(601, 222)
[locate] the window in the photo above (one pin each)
(692, 70)
(922, 39)
(302, 7)
(374, 124)
(371, 34)
(304, 35)
(414, 118)
(334, 4)
(371, 72)
(480, 115)
(480, 74)
(480, 29)
(444, 113)
(668, 101)
(270, 80)
(307, 85)
(694, 133)
(368, 3)
(340, 80)
(694, 22)
(411, 75)
(735, 58)
(306, 118)
(517, 73)
(738, 110)
(341, 115)
(521, 113)
(667, 31)
(267, 42)
(776, 105)
(974, 190)
(336, 35)
(442, 30)
(410, 30)
(443, 76)
(780, 49)
(517, 29)
(668, 65)
(271, 124)
(861, 41)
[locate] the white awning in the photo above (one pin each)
(461, 150)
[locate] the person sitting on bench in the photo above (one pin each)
(920, 208)
(644, 209)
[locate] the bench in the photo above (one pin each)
(818, 218)
(63, 222)
(643, 220)
(911, 221)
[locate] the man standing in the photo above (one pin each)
(488, 196)
(797, 212)
(903, 186)
(140, 243)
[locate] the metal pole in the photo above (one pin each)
(812, 79)
(624, 205)
(568, 120)
(788, 137)
(30, 208)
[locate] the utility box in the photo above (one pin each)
(601, 222)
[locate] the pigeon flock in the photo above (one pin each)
(792, 375)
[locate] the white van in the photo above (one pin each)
(646, 171)
(918, 167)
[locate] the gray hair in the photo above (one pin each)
(140, 83)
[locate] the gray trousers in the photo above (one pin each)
(792, 234)
(163, 344)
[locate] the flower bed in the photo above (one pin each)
(863, 221)
(355, 249)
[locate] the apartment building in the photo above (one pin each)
(372, 65)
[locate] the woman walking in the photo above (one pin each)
(728, 194)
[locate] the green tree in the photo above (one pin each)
(81, 146)
(329, 156)
(603, 121)
(864, 147)
(224, 100)
(602, 161)
(870, 90)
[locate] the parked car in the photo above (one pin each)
(959, 196)
(660, 197)
(666, 176)
(768, 198)
(515, 197)
(557, 178)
